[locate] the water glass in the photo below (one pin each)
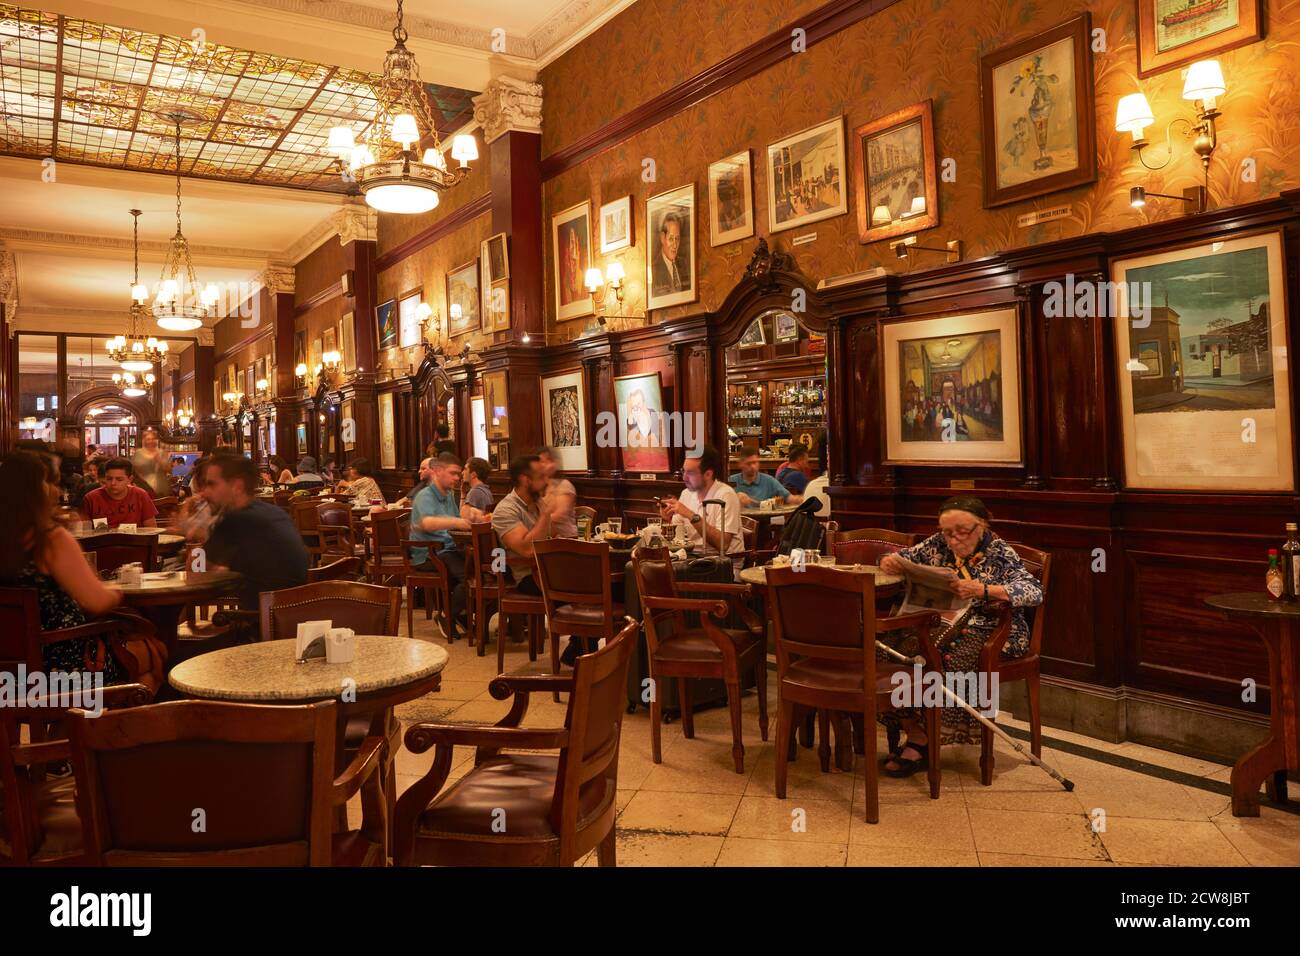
(615, 525)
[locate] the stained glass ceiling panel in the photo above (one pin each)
(93, 93)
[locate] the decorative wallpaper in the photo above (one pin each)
(914, 50)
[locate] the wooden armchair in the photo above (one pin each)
(306, 518)
(434, 583)
(749, 532)
(340, 569)
(588, 512)
(339, 537)
(577, 592)
(390, 559)
(114, 549)
(827, 661)
(1026, 668)
(676, 650)
(166, 508)
(263, 775)
(555, 807)
(38, 815)
(487, 586)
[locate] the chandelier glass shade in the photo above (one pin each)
(133, 351)
(179, 303)
(401, 166)
(133, 386)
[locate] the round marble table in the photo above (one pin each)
(1278, 625)
(758, 576)
(764, 537)
(162, 596)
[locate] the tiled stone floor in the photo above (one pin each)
(694, 810)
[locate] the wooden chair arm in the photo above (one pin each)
(365, 763)
(421, 737)
(923, 622)
(734, 593)
(700, 605)
(502, 686)
(991, 652)
(89, 629)
(114, 697)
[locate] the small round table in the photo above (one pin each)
(758, 576)
(764, 518)
(161, 596)
(1278, 626)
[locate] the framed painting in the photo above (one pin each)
(894, 160)
(952, 389)
(564, 418)
(496, 405)
(616, 225)
(753, 336)
(408, 320)
(785, 327)
(670, 248)
(731, 199)
(328, 341)
(386, 320)
(1039, 125)
(300, 347)
(640, 404)
(347, 336)
(805, 176)
(387, 434)
(463, 299)
(498, 307)
(314, 354)
(479, 422)
(498, 260)
(301, 434)
(1173, 33)
(348, 429)
(571, 249)
(1201, 353)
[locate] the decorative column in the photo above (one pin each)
(8, 349)
(358, 229)
(510, 114)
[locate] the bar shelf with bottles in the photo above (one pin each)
(761, 413)
(745, 409)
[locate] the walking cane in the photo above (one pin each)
(1051, 771)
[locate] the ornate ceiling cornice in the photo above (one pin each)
(80, 241)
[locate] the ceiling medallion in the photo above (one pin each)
(389, 167)
(179, 306)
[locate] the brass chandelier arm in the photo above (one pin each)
(1140, 147)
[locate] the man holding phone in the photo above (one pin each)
(700, 476)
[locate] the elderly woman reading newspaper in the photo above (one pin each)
(986, 572)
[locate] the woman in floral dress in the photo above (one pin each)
(989, 573)
(36, 552)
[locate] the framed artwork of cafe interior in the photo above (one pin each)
(731, 199)
(571, 248)
(952, 390)
(564, 415)
(387, 433)
(670, 248)
(640, 404)
(348, 338)
(1039, 124)
(386, 321)
(463, 299)
(894, 159)
(805, 176)
(1201, 347)
(1172, 33)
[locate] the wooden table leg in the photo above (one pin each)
(1279, 752)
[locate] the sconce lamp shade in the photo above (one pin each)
(341, 141)
(1133, 115)
(614, 274)
(464, 149)
(1204, 81)
(593, 280)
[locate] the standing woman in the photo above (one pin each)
(151, 466)
(36, 553)
(989, 573)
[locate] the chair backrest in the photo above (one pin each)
(336, 514)
(868, 545)
(344, 569)
(594, 720)
(303, 511)
(655, 577)
(262, 776)
(116, 548)
(166, 507)
(386, 528)
(820, 613)
(1039, 564)
(366, 608)
(575, 572)
(482, 542)
(23, 765)
(749, 533)
(20, 628)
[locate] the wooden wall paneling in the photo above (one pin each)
(364, 300)
(517, 211)
(1031, 361)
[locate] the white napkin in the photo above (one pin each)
(101, 522)
(308, 631)
(679, 555)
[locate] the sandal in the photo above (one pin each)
(906, 766)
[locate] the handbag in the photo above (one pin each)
(135, 646)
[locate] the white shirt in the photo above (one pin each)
(730, 517)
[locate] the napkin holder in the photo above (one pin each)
(99, 523)
(340, 645)
(311, 640)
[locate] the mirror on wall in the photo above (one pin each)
(776, 393)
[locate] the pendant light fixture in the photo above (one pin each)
(133, 351)
(179, 306)
(389, 167)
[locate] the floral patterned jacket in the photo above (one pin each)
(999, 565)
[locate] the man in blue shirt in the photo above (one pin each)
(755, 486)
(793, 474)
(435, 513)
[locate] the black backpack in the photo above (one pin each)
(801, 529)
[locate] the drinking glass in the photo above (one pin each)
(615, 525)
(812, 556)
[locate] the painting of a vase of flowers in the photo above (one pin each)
(1038, 116)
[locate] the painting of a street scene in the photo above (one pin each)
(1208, 344)
(951, 388)
(805, 176)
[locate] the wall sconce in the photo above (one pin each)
(1203, 85)
(300, 373)
(599, 286)
(425, 315)
(1194, 196)
(262, 386)
(905, 247)
(331, 361)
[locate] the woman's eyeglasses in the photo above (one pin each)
(956, 533)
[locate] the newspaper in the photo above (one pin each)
(929, 589)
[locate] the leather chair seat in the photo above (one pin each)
(836, 676)
(56, 809)
(584, 615)
(522, 785)
(693, 645)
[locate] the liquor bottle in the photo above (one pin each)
(1291, 563)
(1273, 582)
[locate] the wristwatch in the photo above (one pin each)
(695, 518)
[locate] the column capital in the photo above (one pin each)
(205, 336)
(509, 104)
(8, 283)
(278, 279)
(356, 222)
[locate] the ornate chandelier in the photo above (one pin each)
(389, 168)
(133, 386)
(179, 306)
(133, 351)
